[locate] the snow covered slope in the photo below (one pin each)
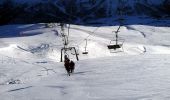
(115, 78)
(30, 67)
(138, 39)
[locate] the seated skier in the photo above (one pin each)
(72, 66)
(67, 64)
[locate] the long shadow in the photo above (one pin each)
(61, 88)
(10, 31)
(82, 72)
(20, 89)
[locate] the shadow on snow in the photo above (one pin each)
(10, 31)
(20, 89)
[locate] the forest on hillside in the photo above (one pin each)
(77, 11)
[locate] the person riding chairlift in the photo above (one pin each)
(69, 65)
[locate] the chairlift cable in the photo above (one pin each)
(86, 45)
(89, 35)
(68, 29)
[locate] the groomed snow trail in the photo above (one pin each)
(121, 78)
(30, 67)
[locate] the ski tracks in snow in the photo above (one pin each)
(131, 28)
(142, 34)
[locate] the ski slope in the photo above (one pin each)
(30, 67)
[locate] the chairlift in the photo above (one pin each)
(85, 48)
(85, 52)
(75, 50)
(66, 54)
(116, 44)
(66, 47)
(67, 50)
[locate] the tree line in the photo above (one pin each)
(72, 11)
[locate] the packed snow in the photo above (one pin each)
(30, 67)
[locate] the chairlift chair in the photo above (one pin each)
(68, 50)
(85, 52)
(85, 48)
(116, 44)
(66, 43)
(75, 50)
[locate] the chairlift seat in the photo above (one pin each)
(117, 46)
(85, 52)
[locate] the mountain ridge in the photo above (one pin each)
(31, 11)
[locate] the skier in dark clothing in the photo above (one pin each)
(72, 66)
(67, 64)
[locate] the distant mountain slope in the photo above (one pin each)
(71, 11)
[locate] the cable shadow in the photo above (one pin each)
(20, 89)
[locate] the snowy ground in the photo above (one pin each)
(30, 67)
